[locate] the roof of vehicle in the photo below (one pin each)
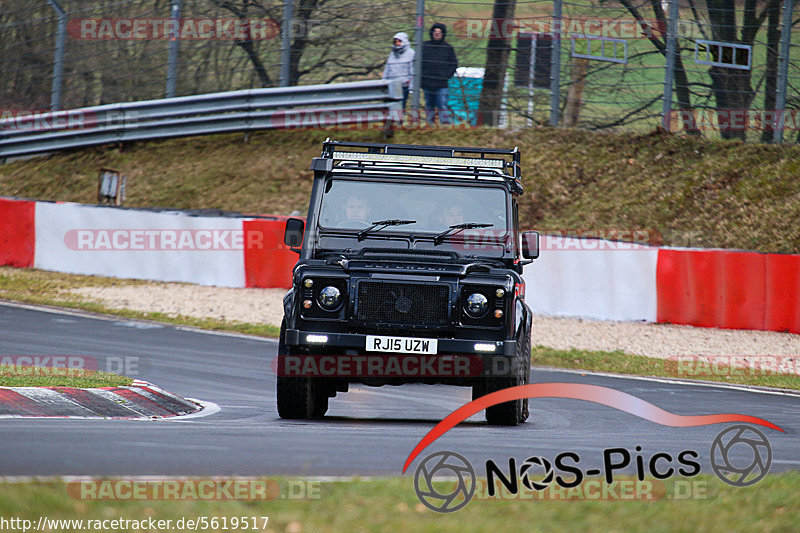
(406, 160)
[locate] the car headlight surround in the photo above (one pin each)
(476, 305)
(329, 298)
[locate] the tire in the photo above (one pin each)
(506, 413)
(298, 398)
(514, 412)
(477, 391)
(320, 404)
(526, 358)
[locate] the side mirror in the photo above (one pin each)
(530, 244)
(293, 235)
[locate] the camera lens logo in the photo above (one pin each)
(741, 456)
(445, 465)
(539, 462)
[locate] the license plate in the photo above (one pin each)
(382, 343)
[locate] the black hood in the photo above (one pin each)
(441, 27)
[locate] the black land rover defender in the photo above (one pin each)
(413, 253)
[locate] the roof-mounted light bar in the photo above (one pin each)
(434, 161)
(420, 160)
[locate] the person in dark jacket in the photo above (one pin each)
(439, 63)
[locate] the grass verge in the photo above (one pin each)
(51, 288)
(37, 376)
(390, 504)
(619, 362)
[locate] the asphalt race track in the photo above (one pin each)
(368, 431)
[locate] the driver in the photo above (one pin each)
(356, 209)
(452, 215)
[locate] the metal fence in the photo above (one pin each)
(356, 104)
(716, 68)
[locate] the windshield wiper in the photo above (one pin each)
(382, 223)
(452, 230)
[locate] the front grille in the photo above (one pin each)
(412, 304)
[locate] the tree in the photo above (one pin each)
(243, 11)
(732, 88)
(681, 79)
(327, 38)
(497, 51)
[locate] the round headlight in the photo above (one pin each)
(476, 305)
(329, 297)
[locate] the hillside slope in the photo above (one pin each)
(691, 192)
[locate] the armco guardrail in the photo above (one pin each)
(247, 110)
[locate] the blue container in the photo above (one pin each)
(465, 93)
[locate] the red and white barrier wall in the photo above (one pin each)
(17, 232)
(590, 278)
(620, 281)
(142, 244)
(730, 289)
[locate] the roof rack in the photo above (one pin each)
(465, 161)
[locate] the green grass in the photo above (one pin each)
(390, 504)
(34, 376)
(42, 287)
(619, 362)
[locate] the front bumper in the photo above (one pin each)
(358, 341)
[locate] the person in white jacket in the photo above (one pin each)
(400, 64)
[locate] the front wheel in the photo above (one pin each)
(506, 413)
(298, 397)
(514, 412)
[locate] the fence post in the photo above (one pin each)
(174, 43)
(531, 75)
(779, 118)
(555, 61)
(418, 37)
(669, 68)
(286, 41)
(58, 59)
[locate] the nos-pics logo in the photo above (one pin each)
(445, 465)
(446, 481)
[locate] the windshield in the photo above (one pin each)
(357, 205)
